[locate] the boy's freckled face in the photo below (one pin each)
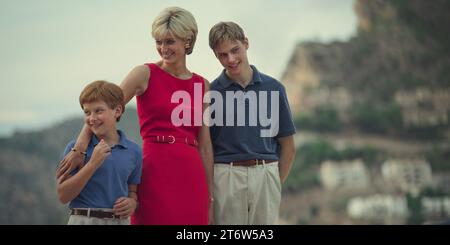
(99, 117)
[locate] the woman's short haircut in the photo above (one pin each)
(179, 22)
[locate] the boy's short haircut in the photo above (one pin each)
(104, 91)
(225, 31)
(179, 22)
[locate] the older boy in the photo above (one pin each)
(103, 192)
(250, 164)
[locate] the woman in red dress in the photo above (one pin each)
(177, 160)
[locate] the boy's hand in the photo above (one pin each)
(124, 207)
(71, 161)
(100, 153)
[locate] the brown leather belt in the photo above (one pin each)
(249, 163)
(94, 213)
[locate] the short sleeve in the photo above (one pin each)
(135, 177)
(287, 126)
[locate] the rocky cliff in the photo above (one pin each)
(396, 68)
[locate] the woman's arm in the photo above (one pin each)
(135, 83)
(206, 152)
(72, 187)
(75, 158)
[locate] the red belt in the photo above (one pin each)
(249, 163)
(169, 139)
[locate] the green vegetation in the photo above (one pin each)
(415, 206)
(377, 118)
(425, 133)
(416, 216)
(439, 159)
(325, 119)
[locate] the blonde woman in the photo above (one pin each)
(177, 160)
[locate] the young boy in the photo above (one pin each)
(250, 166)
(103, 191)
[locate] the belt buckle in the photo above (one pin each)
(171, 138)
(113, 216)
(110, 218)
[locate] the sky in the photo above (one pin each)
(51, 49)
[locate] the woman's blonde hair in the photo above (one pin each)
(179, 22)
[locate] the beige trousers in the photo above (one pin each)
(84, 220)
(246, 195)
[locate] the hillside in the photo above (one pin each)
(28, 162)
(393, 77)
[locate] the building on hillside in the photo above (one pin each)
(381, 208)
(410, 175)
(345, 174)
(436, 207)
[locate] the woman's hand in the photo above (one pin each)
(72, 161)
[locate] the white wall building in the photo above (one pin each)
(436, 206)
(348, 174)
(410, 175)
(378, 207)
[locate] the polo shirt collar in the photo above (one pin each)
(226, 82)
(122, 141)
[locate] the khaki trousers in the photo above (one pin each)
(246, 195)
(84, 220)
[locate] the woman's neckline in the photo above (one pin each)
(170, 74)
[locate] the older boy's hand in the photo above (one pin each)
(71, 161)
(211, 213)
(124, 207)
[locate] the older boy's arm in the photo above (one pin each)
(286, 156)
(74, 159)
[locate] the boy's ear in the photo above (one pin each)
(246, 43)
(118, 111)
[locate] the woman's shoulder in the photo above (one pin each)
(143, 70)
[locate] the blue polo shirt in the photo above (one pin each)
(244, 142)
(110, 181)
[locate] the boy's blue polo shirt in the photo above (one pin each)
(240, 143)
(110, 181)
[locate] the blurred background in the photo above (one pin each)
(368, 82)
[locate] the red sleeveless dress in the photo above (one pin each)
(173, 189)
